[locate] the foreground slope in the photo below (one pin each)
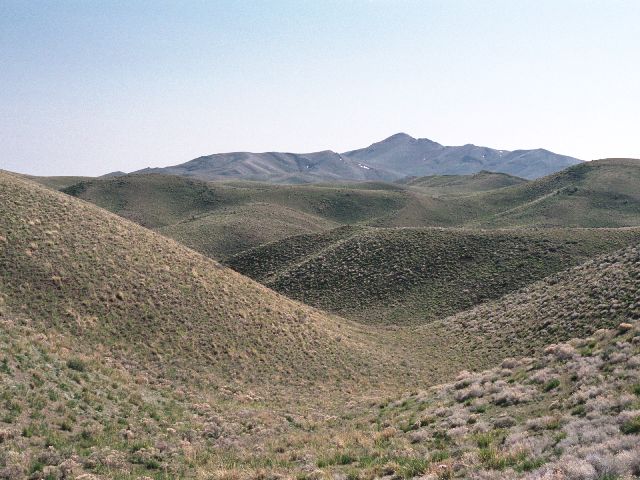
(81, 271)
(412, 276)
(572, 411)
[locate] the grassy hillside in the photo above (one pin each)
(402, 276)
(231, 230)
(66, 411)
(126, 355)
(550, 410)
(82, 271)
(570, 412)
(602, 193)
(442, 185)
(224, 218)
(59, 182)
(220, 219)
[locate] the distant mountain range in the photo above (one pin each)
(396, 157)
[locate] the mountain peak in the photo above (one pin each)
(398, 136)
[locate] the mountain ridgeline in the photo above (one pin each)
(391, 159)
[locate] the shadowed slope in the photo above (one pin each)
(401, 276)
(599, 293)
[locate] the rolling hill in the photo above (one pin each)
(126, 355)
(81, 271)
(393, 158)
(446, 185)
(601, 193)
(221, 219)
(57, 182)
(409, 276)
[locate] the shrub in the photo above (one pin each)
(631, 426)
(76, 364)
(551, 384)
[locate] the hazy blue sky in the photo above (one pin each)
(87, 87)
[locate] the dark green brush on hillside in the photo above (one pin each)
(225, 218)
(400, 276)
(602, 193)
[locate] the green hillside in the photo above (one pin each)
(413, 276)
(602, 193)
(442, 185)
(220, 219)
(58, 182)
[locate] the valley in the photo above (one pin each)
(157, 326)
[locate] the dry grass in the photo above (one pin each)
(80, 270)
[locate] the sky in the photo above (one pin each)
(89, 87)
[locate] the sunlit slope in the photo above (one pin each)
(413, 276)
(80, 270)
(442, 185)
(602, 193)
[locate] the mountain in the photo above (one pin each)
(393, 158)
(326, 166)
(403, 155)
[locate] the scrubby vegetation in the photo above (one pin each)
(79, 270)
(414, 276)
(124, 354)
